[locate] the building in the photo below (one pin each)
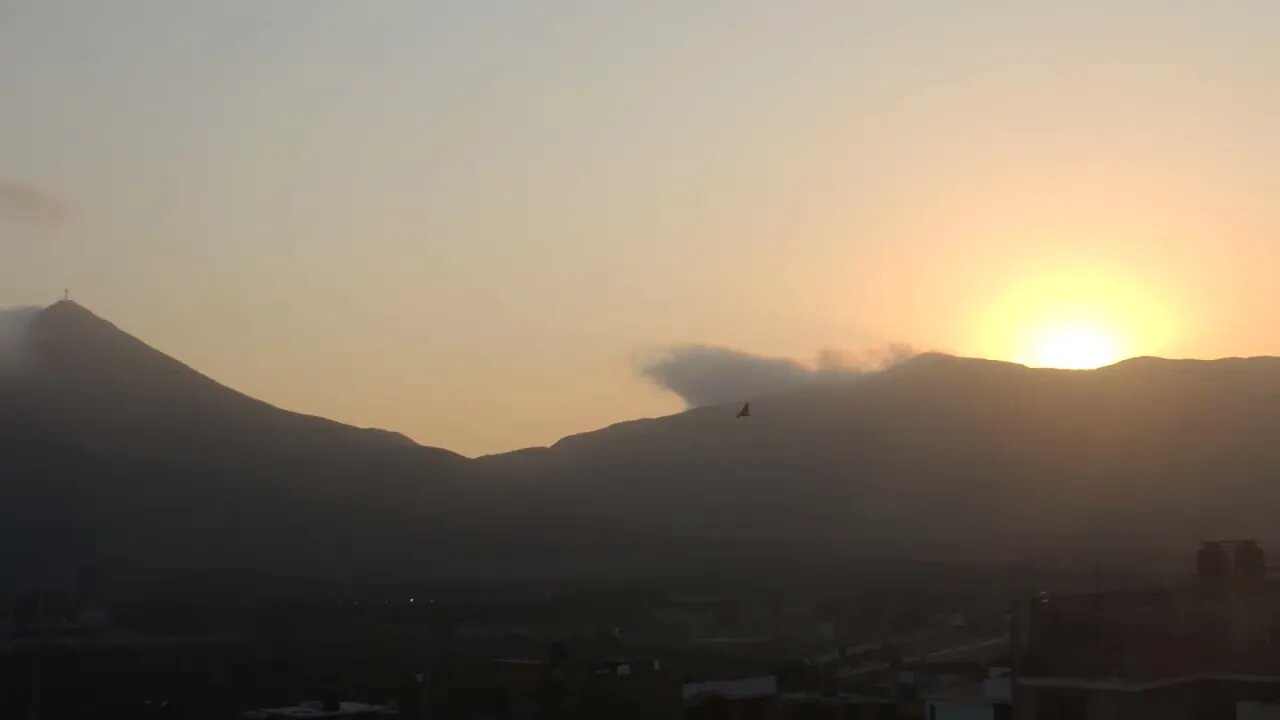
(1209, 648)
(963, 697)
(327, 708)
(566, 686)
(744, 698)
(835, 706)
(505, 688)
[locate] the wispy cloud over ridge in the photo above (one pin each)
(711, 375)
(21, 202)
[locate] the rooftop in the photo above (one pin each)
(835, 700)
(741, 689)
(316, 710)
(520, 661)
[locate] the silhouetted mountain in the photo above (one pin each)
(948, 457)
(110, 449)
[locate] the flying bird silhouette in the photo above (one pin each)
(745, 411)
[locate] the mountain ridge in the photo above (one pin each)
(128, 453)
(83, 347)
(111, 448)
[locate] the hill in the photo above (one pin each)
(111, 450)
(947, 457)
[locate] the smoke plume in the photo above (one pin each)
(708, 375)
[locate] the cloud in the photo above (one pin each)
(837, 360)
(26, 204)
(705, 375)
(708, 375)
(13, 335)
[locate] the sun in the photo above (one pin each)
(1074, 314)
(1075, 347)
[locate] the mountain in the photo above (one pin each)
(112, 451)
(946, 457)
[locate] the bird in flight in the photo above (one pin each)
(745, 411)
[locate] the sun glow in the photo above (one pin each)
(1075, 348)
(1078, 317)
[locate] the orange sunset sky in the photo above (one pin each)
(473, 222)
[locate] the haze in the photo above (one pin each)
(477, 223)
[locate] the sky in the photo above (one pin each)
(492, 224)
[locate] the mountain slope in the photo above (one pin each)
(948, 456)
(111, 449)
(114, 388)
